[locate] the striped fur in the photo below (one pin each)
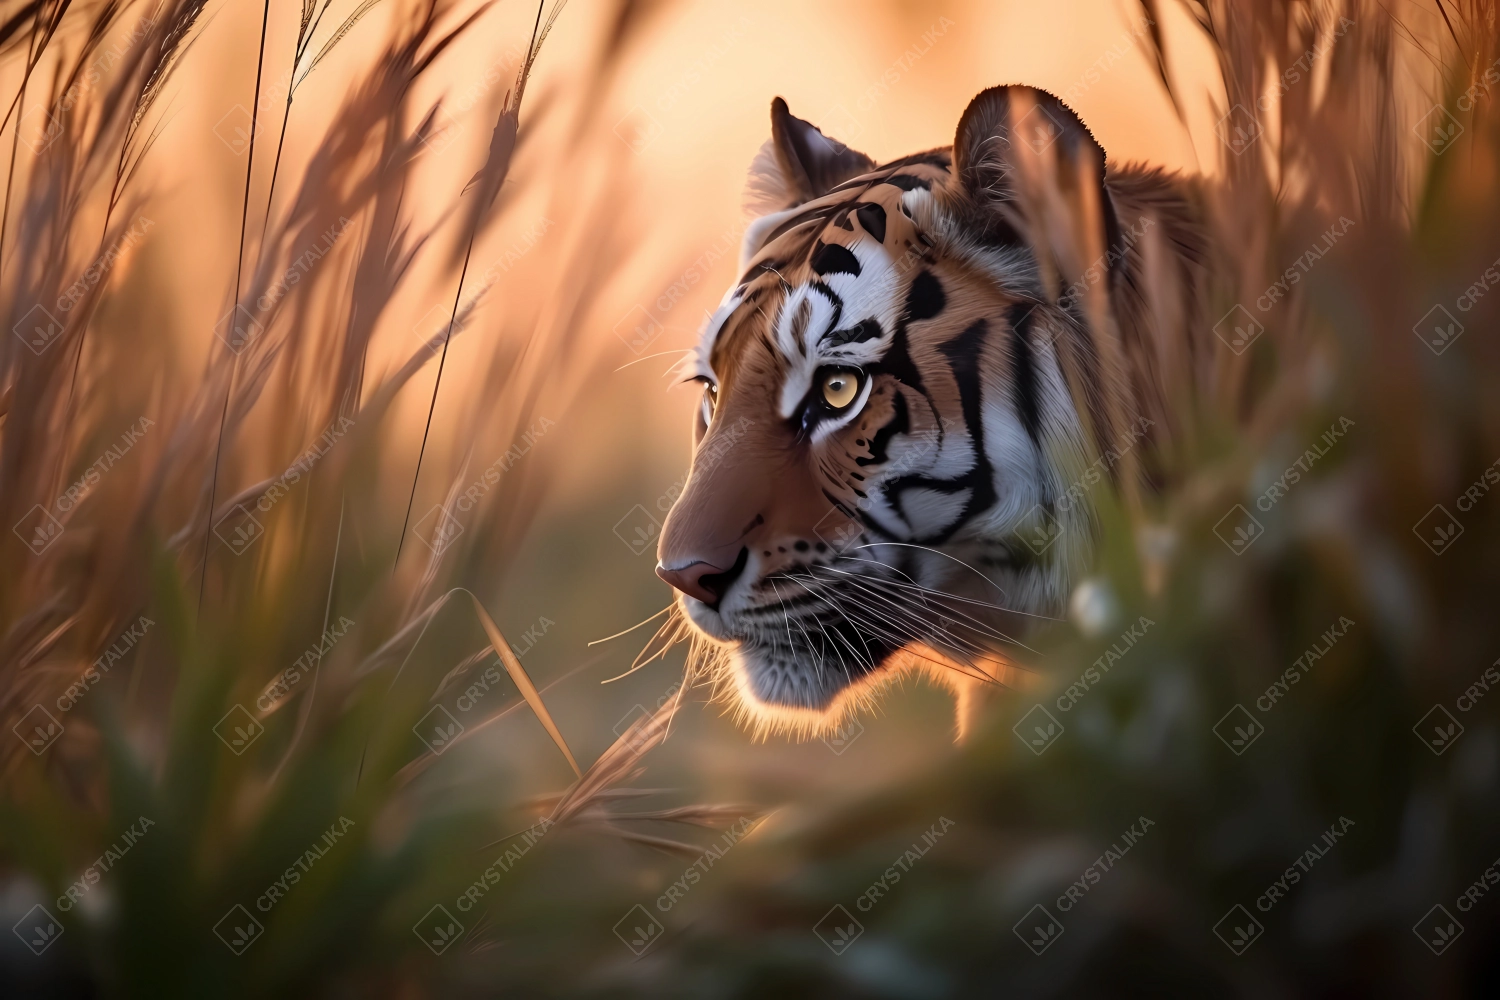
(932, 519)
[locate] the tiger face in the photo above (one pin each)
(886, 436)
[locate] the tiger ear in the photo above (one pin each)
(1001, 119)
(798, 164)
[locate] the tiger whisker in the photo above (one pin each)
(974, 623)
(945, 555)
(929, 590)
(791, 645)
(658, 354)
(663, 611)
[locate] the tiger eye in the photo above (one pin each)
(840, 388)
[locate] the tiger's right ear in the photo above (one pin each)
(797, 164)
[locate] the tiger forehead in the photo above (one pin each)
(874, 200)
(817, 241)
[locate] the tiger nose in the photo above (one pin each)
(703, 580)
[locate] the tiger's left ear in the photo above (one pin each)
(798, 163)
(1001, 123)
(1021, 147)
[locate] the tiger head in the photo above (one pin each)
(889, 444)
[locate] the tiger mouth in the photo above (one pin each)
(799, 645)
(812, 668)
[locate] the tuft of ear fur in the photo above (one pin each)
(766, 187)
(798, 163)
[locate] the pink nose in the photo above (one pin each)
(703, 581)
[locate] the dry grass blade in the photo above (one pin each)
(523, 682)
(338, 36)
(617, 764)
(170, 52)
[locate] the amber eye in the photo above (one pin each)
(840, 387)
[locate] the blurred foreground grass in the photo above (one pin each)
(1260, 753)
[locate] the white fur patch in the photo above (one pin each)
(766, 187)
(871, 294)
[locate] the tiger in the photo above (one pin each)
(905, 411)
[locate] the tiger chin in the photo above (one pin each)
(908, 398)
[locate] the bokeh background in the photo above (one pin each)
(553, 443)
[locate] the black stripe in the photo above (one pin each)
(830, 258)
(819, 214)
(867, 329)
(925, 292)
(964, 354)
(838, 504)
(872, 217)
(926, 297)
(1023, 369)
(880, 443)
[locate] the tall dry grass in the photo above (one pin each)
(211, 634)
(125, 605)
